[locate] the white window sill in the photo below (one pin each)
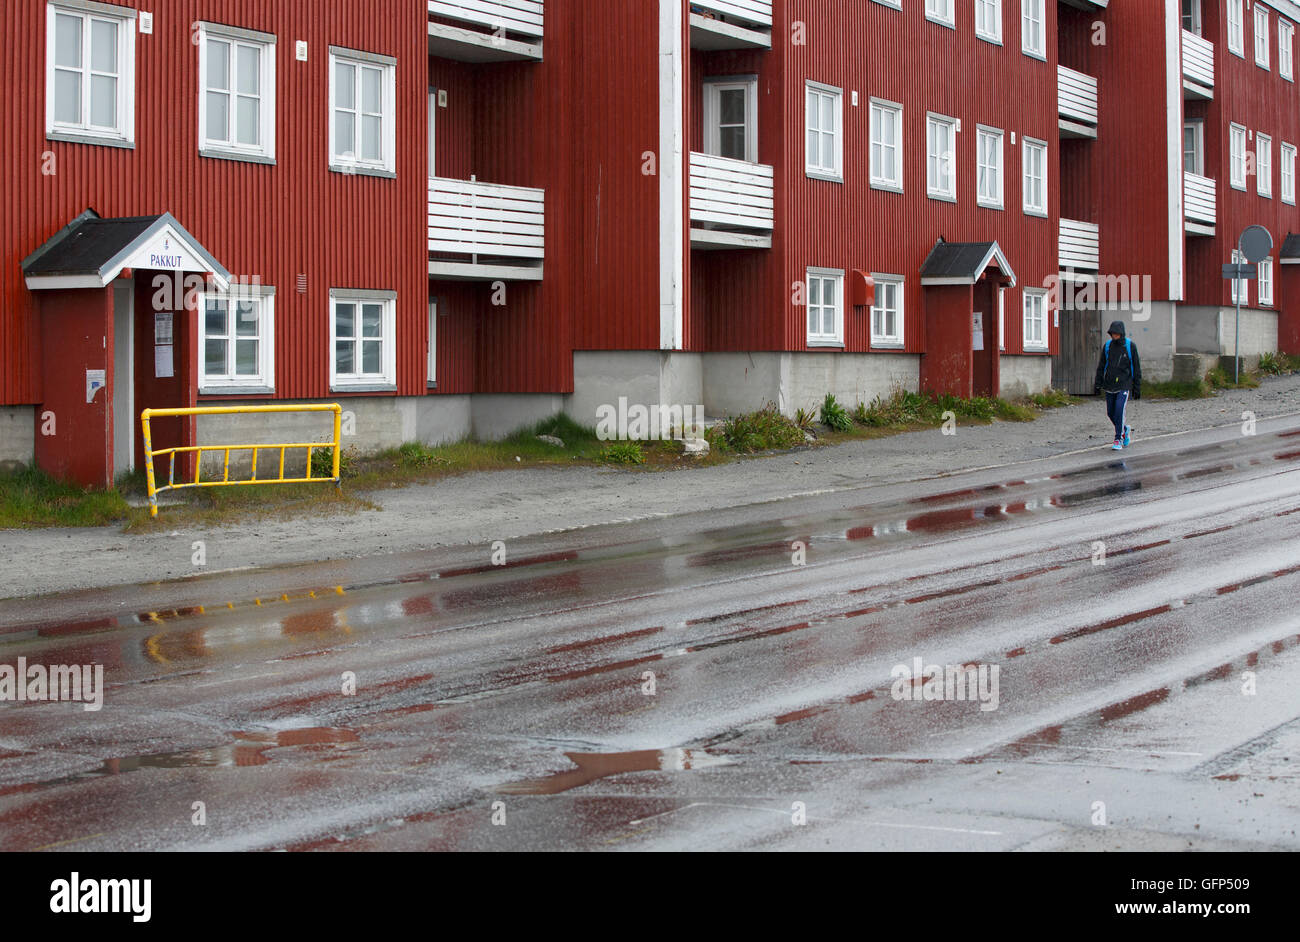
(1041, 57)
(950, 24)
(221, 153)
(826, 344)
(942, 197)
(244, 390)
(1000, 207)
(360, 170)
(991, 40)
(886, 187)
(86, 137)
(1036, 213)
(827, 177)
(1240, 189)
(887, 345)
(1289, 202)
(1037, 350)
(379, 386)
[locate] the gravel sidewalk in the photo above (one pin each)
(484, 507)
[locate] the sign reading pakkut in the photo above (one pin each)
(167, 251)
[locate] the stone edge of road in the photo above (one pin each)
(61, 562)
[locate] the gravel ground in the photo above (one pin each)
(484, 507)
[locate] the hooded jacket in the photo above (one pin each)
(1120, 369)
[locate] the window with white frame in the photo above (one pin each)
(1194, 147)
(886, 145)
(988, 163)
(1261, 35)
(1266, 283)
(940, 11)
(238, 341)
(432, 353)
(1035, 182)
(1192, 16)
(825, 122)
(988, 20)
(1287, 171)
(1264, 165)
(1240, 287)
(1286, 49)
(1236, 28)
(940, 147)
(1237, 156)
(1033, 16)
(363, 131)
(90, 73)
(363, 349)
(731, 118)
(887, 312)
(1035, 301)
(236, 93)
(825, 306)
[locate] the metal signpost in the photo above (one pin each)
(1255, 245)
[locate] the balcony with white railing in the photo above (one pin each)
(1079, 246)
(485, 232)
(1200, 204)
(486, 30)
(730, 24)
(1076, 99)
(1198, 66)
(732, 203)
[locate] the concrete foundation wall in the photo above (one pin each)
(1258, 333)
(17, 436)
(496, 416)
(1023, 376)
(742, 382)
(645, 378)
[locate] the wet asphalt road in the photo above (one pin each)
(706, 684)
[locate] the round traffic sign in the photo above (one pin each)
(1256, 244)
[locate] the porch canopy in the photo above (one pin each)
(963, 263)
(90, 252)
(1290, 254)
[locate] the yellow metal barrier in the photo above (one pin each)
(200, 450)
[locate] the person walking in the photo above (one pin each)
(1119, 376)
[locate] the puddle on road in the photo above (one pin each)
(593, 766)
(248, 749)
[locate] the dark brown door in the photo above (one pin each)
(1074, 369)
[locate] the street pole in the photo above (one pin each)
(1236, 339)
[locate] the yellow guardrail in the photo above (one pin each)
(150, 453)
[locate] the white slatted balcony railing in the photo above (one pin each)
(730, 24)
(1198, 64)
(731, 195)
(754, 13)
(513, 16)
(1079, 246)
(471, 218)
(1076, 96)
(1200, 200)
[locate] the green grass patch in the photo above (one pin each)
(834, 416)
(625, 453)
(31, 499)
(764, 430)
(1171, 390)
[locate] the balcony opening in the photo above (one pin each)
(486, 30)
(730, 24)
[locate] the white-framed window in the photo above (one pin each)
(886, 145)
(1261, 35)
(1237, 156)
(1035, 181)
(825, 306)
(1264, 165)
(236, 93)
(363, 348)
(824, 114)
(1236, 28)
(237, 346)
(431, 356)
(1240, 287)
(1035, 302)
(988, 20)
(90, 73)
(1194, 147)
(731, 118)
(940, 11)
(941, 149)
(1033, 18)
(887, 312)
(892, 4)
(1192, 16)
(1266, 282)
(1286, 158)
(988, 167)
(1286, 49)
(363, 125)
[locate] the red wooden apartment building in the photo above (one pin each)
(458, 216)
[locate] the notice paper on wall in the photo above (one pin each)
(95, 380)
(163, 361)
(978, 330)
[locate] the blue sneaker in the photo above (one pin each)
(1128, 435)
(1118, 446)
